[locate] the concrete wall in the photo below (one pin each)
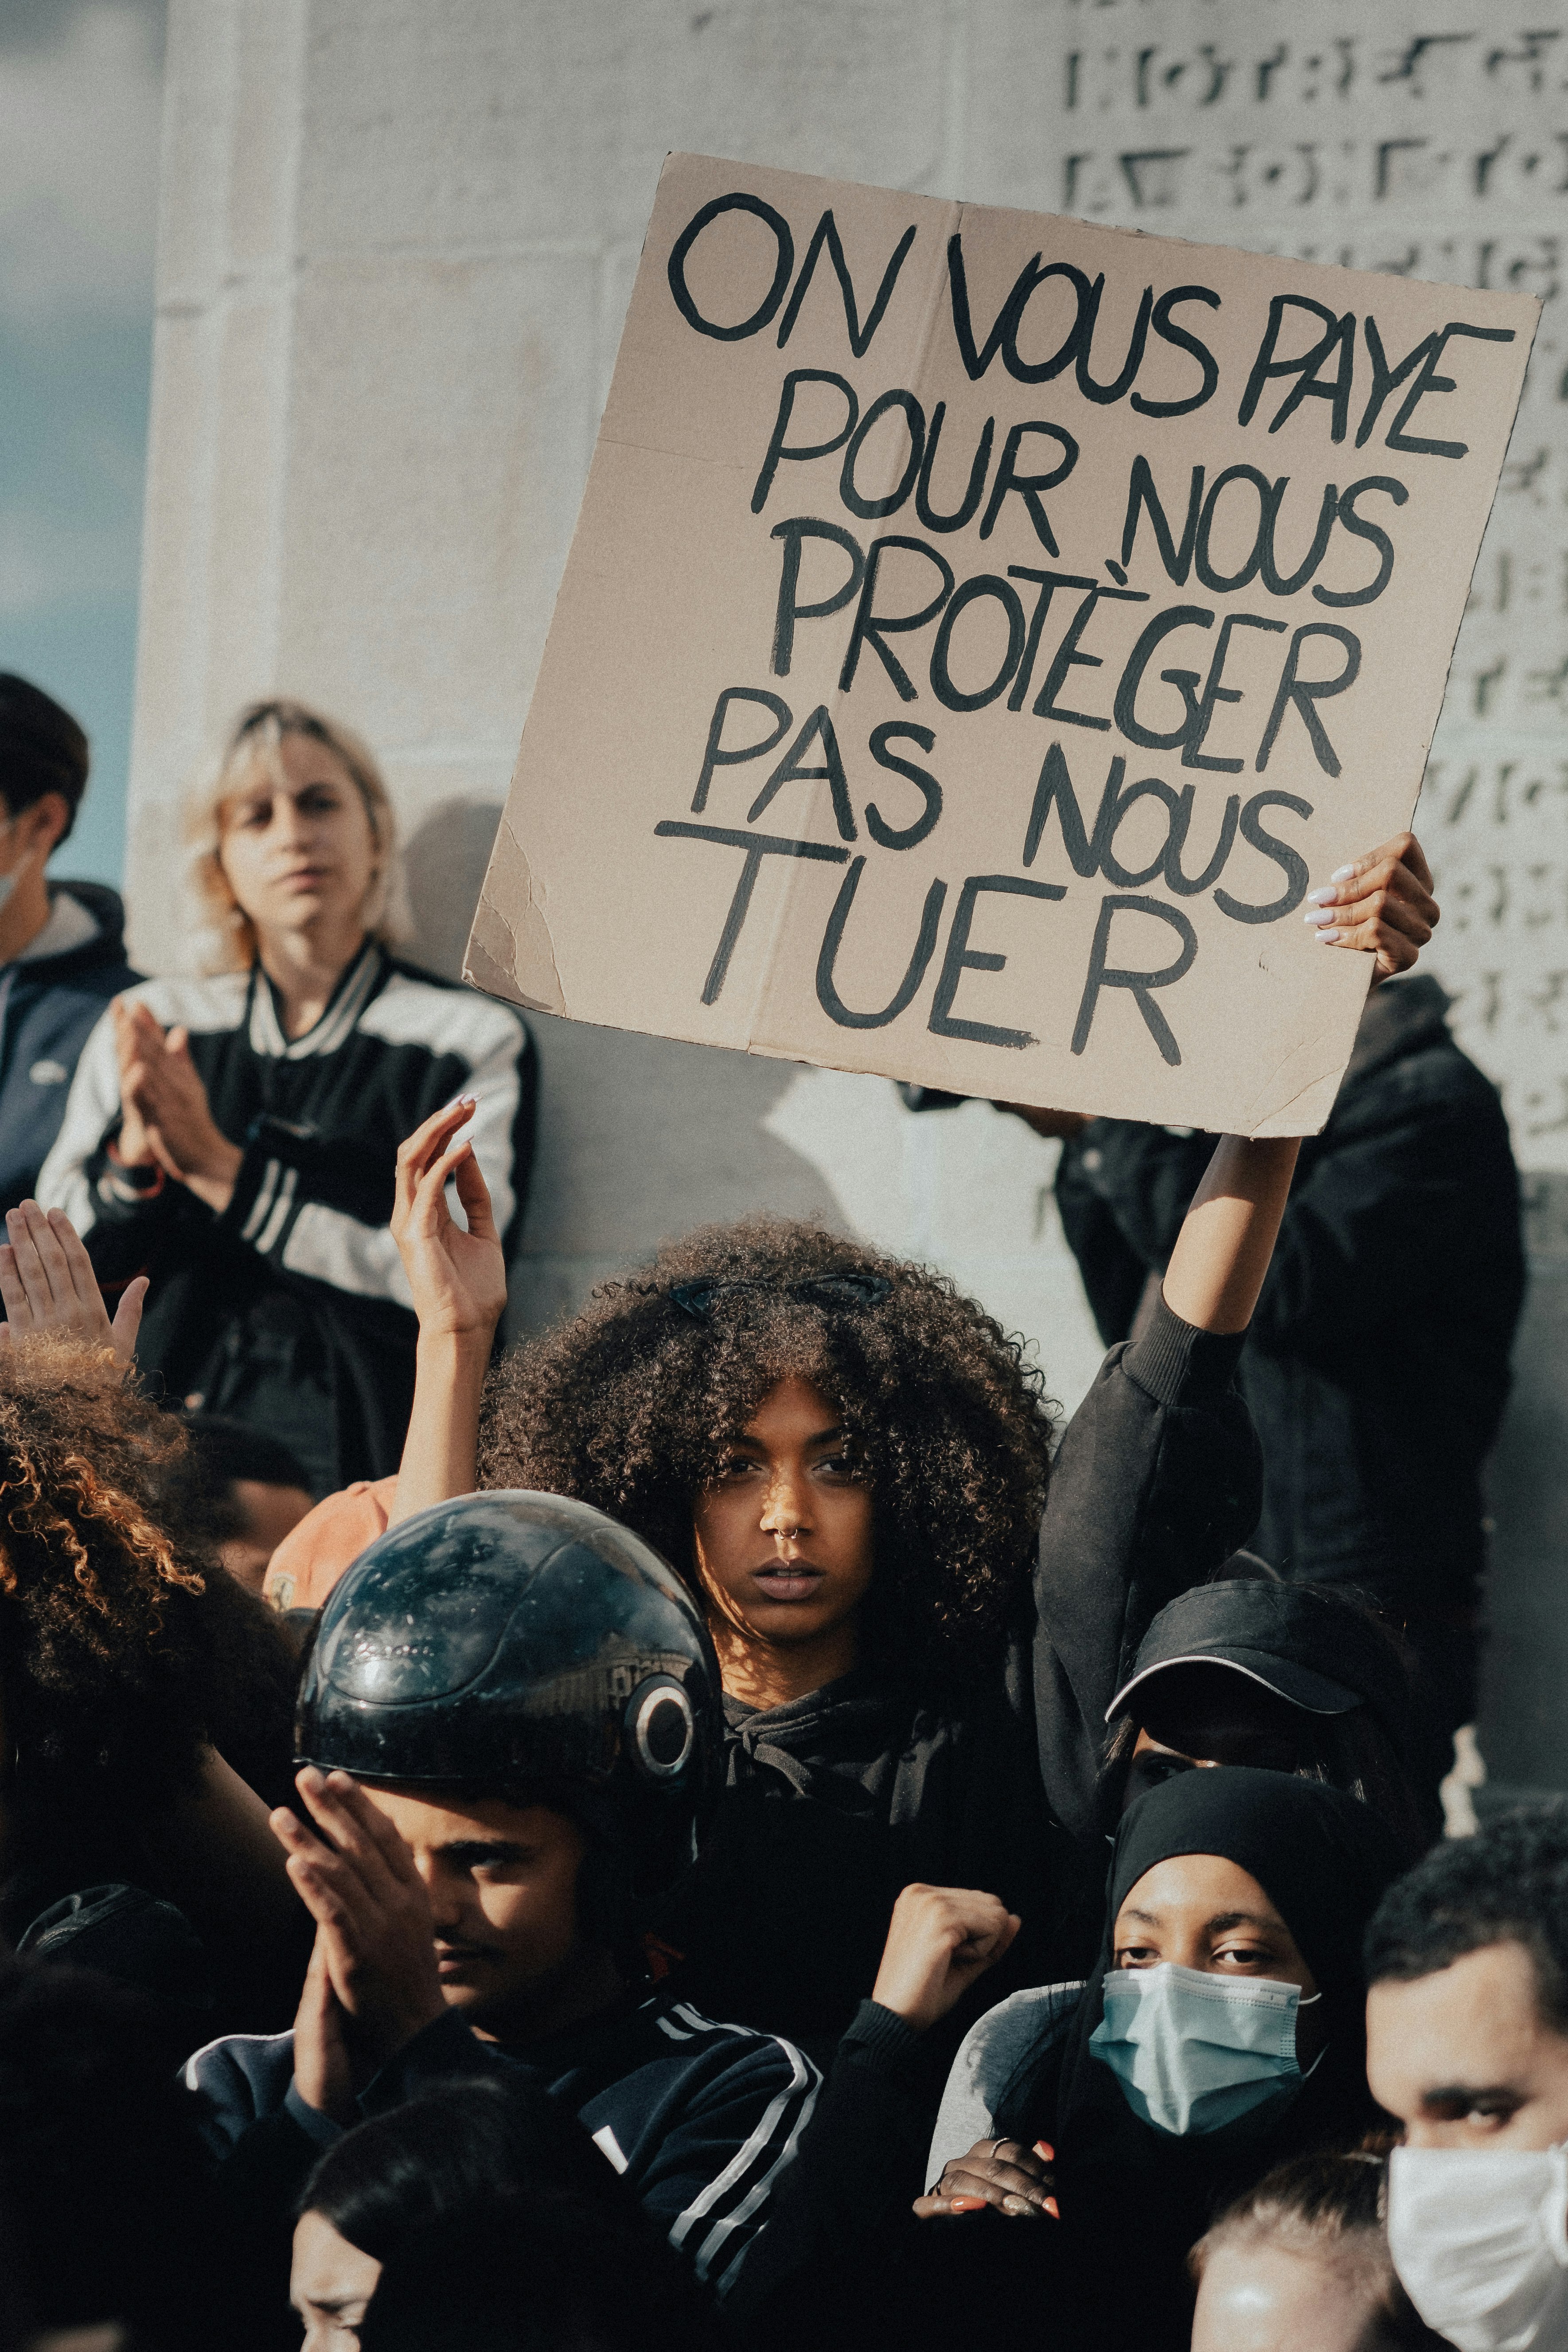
(397, 241)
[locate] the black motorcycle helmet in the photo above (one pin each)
(524, 1646)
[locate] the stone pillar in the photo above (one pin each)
(397, 241)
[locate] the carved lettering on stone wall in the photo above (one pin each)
(1435, 144)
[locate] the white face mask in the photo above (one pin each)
(1479, 2239)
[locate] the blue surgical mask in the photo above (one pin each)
(1194, 2051)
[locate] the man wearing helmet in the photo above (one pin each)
(509, 1730)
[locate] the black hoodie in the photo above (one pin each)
(991, 1779)
(49, 1005)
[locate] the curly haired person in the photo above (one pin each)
(144, 1697)
(921, 1612)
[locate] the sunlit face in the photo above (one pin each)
(1266, 2298)
(301, 851)
(1464, 2057)
(329, 2284)
(1202, 1911)
(503, 1883)
(1194, 1717)
(784, 1534)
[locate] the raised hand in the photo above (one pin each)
(168, 1120)
(458, 1277)
(939, 1940)
(47, 1284)
(1380, 904)
(1002, 2173)
(373, 1928)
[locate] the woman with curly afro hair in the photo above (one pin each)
(145, 1699)
(921, 1613)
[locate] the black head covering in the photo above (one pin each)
(1323, 1859)
(1133, 2199)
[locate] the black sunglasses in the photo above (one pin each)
(697, 1298)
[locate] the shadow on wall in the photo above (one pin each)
(640, 1139)
(444, 868)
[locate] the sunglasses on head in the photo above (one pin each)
(697, 1298)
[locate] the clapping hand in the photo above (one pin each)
(373, 1983)
(166, 1119)
(323, 2063)
(47, 1284)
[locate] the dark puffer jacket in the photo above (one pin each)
(50, 1002)
(1377, 1365)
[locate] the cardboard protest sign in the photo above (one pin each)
(982, 630)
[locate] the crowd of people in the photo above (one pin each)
(725, 1822)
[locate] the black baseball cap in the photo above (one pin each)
(1317, 1651)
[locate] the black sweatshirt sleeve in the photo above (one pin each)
(858, 2165)
(1157, 1479)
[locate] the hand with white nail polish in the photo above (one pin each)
(1380, 905)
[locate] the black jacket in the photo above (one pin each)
(292, 1308)
(1377, 1365)
(49, 1005)
(701, 2120)
(837, 1800)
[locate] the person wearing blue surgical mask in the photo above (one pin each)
(1220, 2033)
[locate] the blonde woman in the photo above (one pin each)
(236, 1136)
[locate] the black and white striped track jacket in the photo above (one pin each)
(701, 2119)
(318, 1119)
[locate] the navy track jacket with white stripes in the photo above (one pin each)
(292, 1308)
(700, 2118)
